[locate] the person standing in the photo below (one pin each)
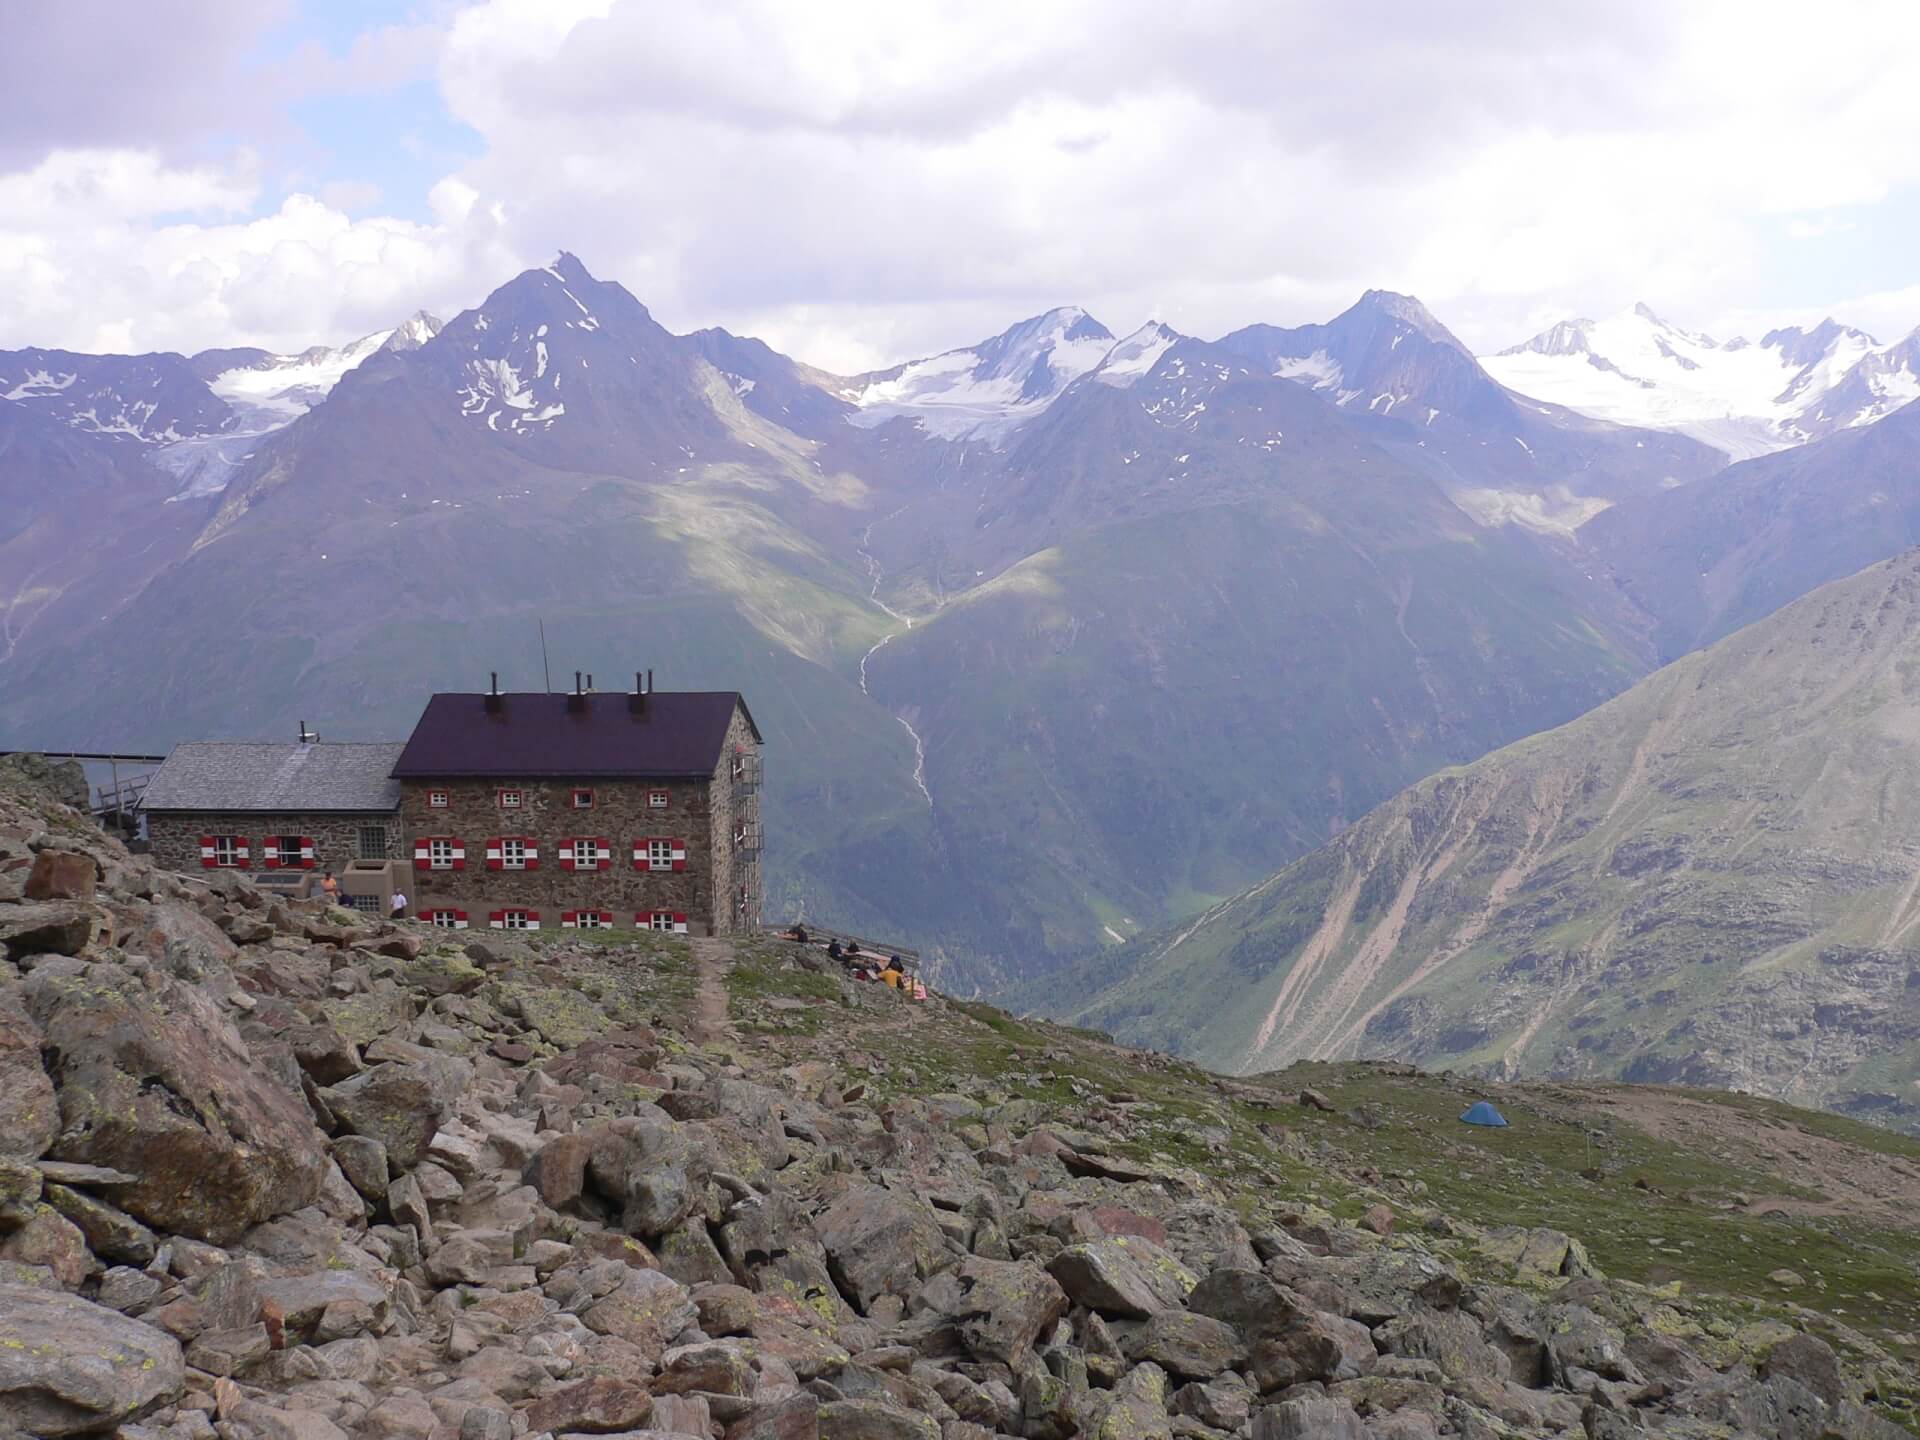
(399, 905)
(329, 889)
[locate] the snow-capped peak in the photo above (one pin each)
(413, 332)
(277, 389)
(985, 390)
(1637, 369)
(1136, 355)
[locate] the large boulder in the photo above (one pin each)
(401, 1103)
(878, 1243)
(157, 1083)
(68, 1367)
(1123, 1276)
(29, 1113)
(646, 1310)
(999, 1307)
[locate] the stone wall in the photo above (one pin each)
(620, 814)
(734, 804)
(176, 836)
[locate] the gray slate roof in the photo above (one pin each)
(222, 775)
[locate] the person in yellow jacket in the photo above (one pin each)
(892, 974)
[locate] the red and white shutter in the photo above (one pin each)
(533, 856)
(242, 853)
(533, 919)
(603, 855)
(209, 857)
(456, 854)
(566, 859)
(307, 857)
(640, 862)
(497, 919)
(270, 852)
(494, 862)
(680, 863)
(569, 919)
(423, 853)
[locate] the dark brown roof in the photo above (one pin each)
(679, 733)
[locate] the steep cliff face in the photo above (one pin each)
(1714, 878)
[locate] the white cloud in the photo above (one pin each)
(858, 181)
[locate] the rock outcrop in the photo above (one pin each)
(273, 1173)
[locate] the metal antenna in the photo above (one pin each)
(545, 674)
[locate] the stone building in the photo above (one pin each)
(585, 811)
(274, 809)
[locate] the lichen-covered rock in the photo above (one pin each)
(874, 1420)
(1123, 1276)
(645, 1309)
(1185, 1345)
(29, 1112)
(400, 1103)
(69, 1367)
(157, 1083)
(878, 1243)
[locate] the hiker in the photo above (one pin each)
(798, 934)
(833, 950)
(399, 905)
(329, 889)
(892, 974)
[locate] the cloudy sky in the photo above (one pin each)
(859, 182)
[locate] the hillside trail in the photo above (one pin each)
(712, 959)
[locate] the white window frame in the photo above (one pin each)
(445, 918)
(512, 799)
(517, 920)
(659, 855)
(226, 852)
(437, 800)
(513, 852)
(588, 853)
(582, 799)
(440, 854)
(658, 799)
(661, 920)
(591, 920)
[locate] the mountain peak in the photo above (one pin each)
(413, 332)
(1406, 311)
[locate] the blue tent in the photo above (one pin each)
(1483, 1114)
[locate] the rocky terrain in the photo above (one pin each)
(270, 1172)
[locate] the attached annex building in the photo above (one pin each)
(308, 806)
(585, 811)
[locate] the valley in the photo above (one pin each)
(1060, 641)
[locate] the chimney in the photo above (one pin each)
(495, 700)
(577, 701)
(637, 701)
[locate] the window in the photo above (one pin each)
(658, 853)
(670, 920)
(369, 904)
(224, 852)
(439, 852)
(583, 799)
(512, 852)
(446, 919)
(586, 852)
(587, 920)
(373, 842)
(657, 799)
(436, 799)
(515, 920)
(287, 852)
(510, 799)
